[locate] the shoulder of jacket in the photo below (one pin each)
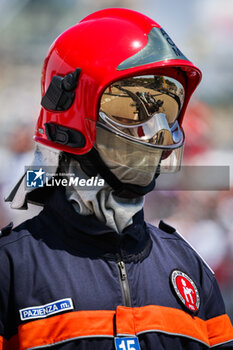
(166, 228)
(9, 235)
(6, 230)
(168, 233)
(172, 231)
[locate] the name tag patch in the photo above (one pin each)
(46, 310)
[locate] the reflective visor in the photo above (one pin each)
(133, 162)
(144, 109)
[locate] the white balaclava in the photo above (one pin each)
(115, 212)
(100, 201)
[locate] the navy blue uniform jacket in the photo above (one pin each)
(68, 281)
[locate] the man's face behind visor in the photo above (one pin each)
(138, 129)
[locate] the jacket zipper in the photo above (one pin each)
(124, 284)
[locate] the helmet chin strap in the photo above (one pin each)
(93, 164)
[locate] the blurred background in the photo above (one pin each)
(203, 30)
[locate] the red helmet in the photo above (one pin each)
(105, 47)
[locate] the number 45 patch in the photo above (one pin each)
(130, 343)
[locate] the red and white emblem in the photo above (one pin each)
(186, 290)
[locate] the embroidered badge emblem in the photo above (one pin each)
(186, 290)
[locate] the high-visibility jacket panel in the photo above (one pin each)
(69, 281)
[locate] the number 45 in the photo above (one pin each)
(127, 344)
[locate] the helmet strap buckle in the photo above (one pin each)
(65, 136)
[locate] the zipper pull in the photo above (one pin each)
(121, 266)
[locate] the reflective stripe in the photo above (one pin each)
(11, 344)
(153, 318)
(220, 330)
(129, 321)
(64, 327)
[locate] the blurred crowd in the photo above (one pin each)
(203, 217)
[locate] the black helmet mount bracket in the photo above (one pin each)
(60, 93)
